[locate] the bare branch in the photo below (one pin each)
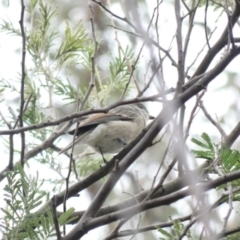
(21, 112)
(79, 114)
(55, 218)
(208, 116)
(99, 221)
(219, 44)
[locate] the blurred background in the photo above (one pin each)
(59, 72)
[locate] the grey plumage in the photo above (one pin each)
(112, 131)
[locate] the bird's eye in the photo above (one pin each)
(140, 105)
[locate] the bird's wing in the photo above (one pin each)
(92, 122)
(96, 119)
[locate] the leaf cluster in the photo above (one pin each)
(176, 231)
(228, 159)
(22, 197)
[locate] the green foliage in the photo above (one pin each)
(50, 53)
(41, 37)
(53, 52)
(73, 42)
(229, 158)
(67, 90)
(66, 217)
(51, 56)
(8, 85)
(215, 4)
(116, 82)
(22, 196)
(165, 233)
(176, 231)
(119, 75)
(230, 162)
(119, 70)
(87, 165)
(235, 236)
(8, 26)
(209, 150)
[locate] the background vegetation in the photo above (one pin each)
(180, 178)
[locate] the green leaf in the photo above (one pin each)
(65, 217)
(209, 151)
(165, 233)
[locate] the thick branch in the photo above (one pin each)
(166, 114)
(166, 200)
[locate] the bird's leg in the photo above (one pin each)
(104, 160)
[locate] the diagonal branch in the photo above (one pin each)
(153, 129)
(166, 200)
(219, 44)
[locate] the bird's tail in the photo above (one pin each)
(69, 146)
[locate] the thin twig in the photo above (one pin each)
(181, 56)
(150, 80)
(21, 22)
(137, 33)
(90, 88)
(230, 32)
(55, 218)
(208, 116)
(161, 80)
(93, 59)
(120, 224)
(230, 208)
(154, 189)
(219, 45)
(166, 200)
(193, 113)
(11, 143)
(44, 145)
(24, 110)
(80, 114)
(192, 14)
(205, 25)
(198, 54)
(138, 56)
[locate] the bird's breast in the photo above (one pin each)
(113, 136)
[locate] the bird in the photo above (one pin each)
(110, 132)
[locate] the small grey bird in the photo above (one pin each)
(111, 132)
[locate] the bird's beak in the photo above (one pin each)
(151, 117)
